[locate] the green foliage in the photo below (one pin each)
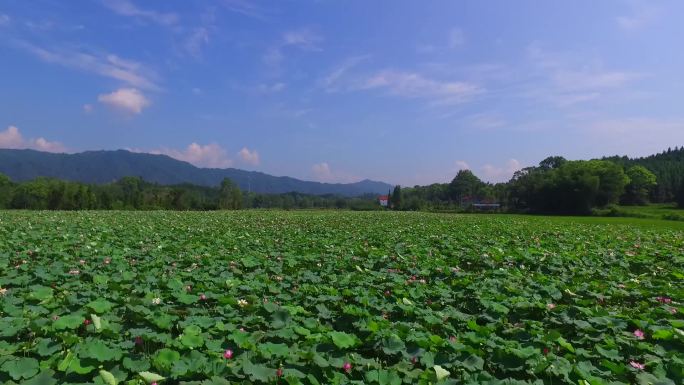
(403, 298)
(641, 183)
(465, 185)
(397, 199)
(571, 187)
(230, 197)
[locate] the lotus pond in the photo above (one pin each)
(337, 298)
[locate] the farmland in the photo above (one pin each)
(338, 297)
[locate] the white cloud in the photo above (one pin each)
(12, 138)
(462, 165)
(415, 85)
(456, 38)
(209, 155)
(127, 8)
(500, 173)
(249, 157)
(127, 99)
(87, 108)
(321, 171)
(107, 65)
(4, 19)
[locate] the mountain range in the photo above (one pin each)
(100, 167)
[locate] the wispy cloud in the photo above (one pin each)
(108, 65)
(13, 139)
(570, 80)
(642, 14)
(265, 89)
(634, 136)
(456, 38)
(331, 80)
(485, 121)
(4, 19)
(127, 8)
(129, 100)
(246, 8)
(196, 40)
(415, 85)
(303, 39)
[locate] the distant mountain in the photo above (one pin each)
(99, 167)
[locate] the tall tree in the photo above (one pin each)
(396, 198)
(552, 162)
(465, 184)
(5, 191)
(230, 196)
(641, 182)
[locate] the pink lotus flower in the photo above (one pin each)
(452, 338)
(550, 306)
(154, 383)
(414, 360)
(86, 322)
(639, 334)
(673, 310)
(347, 367)
(228, 354)
(546, 351)
(203, 297)
(637, 365)
(664, 299)
(387, 293)
(279, 372)
(138, 340)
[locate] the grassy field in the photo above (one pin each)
(266, 297)
(654, 211)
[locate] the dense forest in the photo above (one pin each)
(555, 186)
(133, 193)
(560, 186)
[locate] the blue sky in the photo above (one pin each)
(406, 92)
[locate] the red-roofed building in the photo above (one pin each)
(384, 200)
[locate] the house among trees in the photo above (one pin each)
(383, 200)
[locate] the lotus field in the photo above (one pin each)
(337, 298)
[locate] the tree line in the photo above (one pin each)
(134, 193)
(555, 186)
(559, 186)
